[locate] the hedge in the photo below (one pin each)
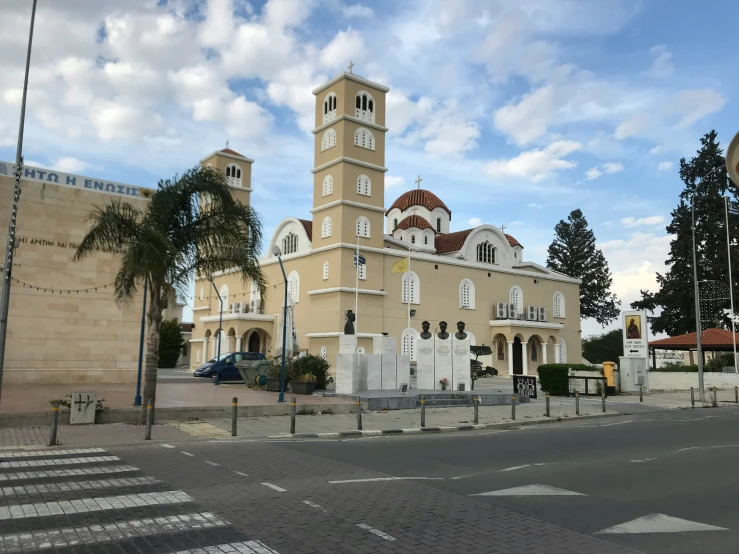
(686, 369)
(553, 377)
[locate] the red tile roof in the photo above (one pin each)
(232, 152)
(414, 221)
(512, 241)
(451, 242)
(711, 339)
(308, 226)
(419, 197)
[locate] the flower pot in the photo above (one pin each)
(303, 387)
(273, 384)
(443, 386)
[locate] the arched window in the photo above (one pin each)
(293, 286)
(425, 240)
(409, 343)
(438, 225)
(290, 244)
(326, 227)
(363, 227)
(255, 299)
(201, 293)
(363, 271)
(467, 294)
(562, 352)
(395, 223)
(411, 288)
(329, 107)
(323, 354)
(364, 185)
(328, 185)
(486, 253)
(363, 138)
(516, 298)
(325, 270)
(233, 175)
(364, 107)
(558, 308)
(413, 239)
(328, 140)
(224, 297)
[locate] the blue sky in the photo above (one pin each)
(514, 112)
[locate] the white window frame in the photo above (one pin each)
(255, 299)
(329, 107)
(562, 351)
(517, 299)
(558, 311)
(328, 185)
(363, 138)
(363, 272)
(326, 227)
(470, 296)
(367, 106)
(325, 271)
(233, 175)
(363, 227)
(323, 354)
(328, 140)
(293, 286)
(202, 296)
(290, 243)
(223, 291)
(364, 185)
(410, 277)
(486, 253)
(409, 343)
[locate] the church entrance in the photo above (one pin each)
(253, 345)
(517, 357)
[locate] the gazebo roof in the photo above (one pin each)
(711, 339)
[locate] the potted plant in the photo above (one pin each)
(313, 365)
(303, 384)
(273, 375)
(443, 382)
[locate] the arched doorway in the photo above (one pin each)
(254, 342)
(517, 356)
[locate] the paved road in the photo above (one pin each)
(672, 472)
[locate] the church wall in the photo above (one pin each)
(337, 174)
(349, 185)
(374, 156)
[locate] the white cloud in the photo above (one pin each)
(392, 181)
(664, 166)
(70, 165)
(662, 61)
(346, 45)
(634, 125)
(357, 10)
(593, 173)
(613, 167)
(695, 104)
(474, 221)
(535, 206)
(657, 150)
(535, 164)
(527, 120)
(634, 222)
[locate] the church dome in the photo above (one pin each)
(419, 197)
(414, 221)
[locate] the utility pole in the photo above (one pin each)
(701, 390)
(10, 246)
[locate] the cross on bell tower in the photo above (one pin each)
(502, 228)
(418, 182)
(351, 67)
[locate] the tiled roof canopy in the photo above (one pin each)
(232, 152)
(419, 197)
(308, 226)
(453, 242)
(414, 221)
(711, 339)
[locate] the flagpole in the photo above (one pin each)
(731, 284)
(356, 291)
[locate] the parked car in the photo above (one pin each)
(225, 365)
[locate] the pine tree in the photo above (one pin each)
(705, 176)
(573, 253)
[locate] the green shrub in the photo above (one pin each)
(553, 377)
(310, 365)
(170, 343)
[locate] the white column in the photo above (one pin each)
(205, 350)
(557, 353)
(227, 348)
(525, 357)
(543, 352)
(510, 357)
(238, 344)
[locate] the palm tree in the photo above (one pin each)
(192, 225)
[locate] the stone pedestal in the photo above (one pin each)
(404, 370)
(347, 344)
(374, 372)
(442, 362)
(384, 345)
(363, 374)
(347, 373)
(461, 364)
(389, 371)
(425, 364)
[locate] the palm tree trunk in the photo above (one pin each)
(154, 319)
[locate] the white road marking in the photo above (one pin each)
(707, 447)
(617, 423)
(212, 463)
(109, 532)
(23, 475)
(658, 523)
(531, 490)
(241, 473)
(516, 468)
(167, 446)
(187, 454)
(97, 504)
(49, 453)
(642, 461)
(59, 462)
(51, 488)
(376, 532)
(274, 487)
(248, 547)
(376, 479)
(314, 505)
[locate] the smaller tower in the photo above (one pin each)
(237, 169)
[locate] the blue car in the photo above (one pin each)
(225, 365)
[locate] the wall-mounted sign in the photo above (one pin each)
(75, 181)
(635, 334)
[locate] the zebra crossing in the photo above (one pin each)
(48, 506)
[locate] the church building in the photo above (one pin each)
(415, 268)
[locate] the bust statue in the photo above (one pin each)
(442, 334)
(425, 334)
(349, 325)
(460, 334)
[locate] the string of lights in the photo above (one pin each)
(61, 291)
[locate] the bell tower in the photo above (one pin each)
(236, 168)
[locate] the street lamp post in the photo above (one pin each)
(220, 329)
(277, 252)
(701, 390)
(137, 398)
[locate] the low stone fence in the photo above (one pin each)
(683, 380)
(577, 385)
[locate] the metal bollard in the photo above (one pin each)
(359, 414)
(513, 407)
(577, 403)
(641, 393)
(715, 398)
(234, 412)
(54, 423)
(293, 410)
(603, 399)
(692, 397)
(149, 419)
(423, 411)
(736, 395)
(548, 412)
(476, 402)
(217, 380)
